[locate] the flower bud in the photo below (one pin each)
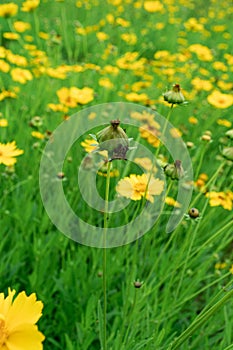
(229, 134)
(193, 213)
(36, 122)
(175, 171)
(227, 152)
(174, 96)
(137, 284)
(118, 143)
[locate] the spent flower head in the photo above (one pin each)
(175, 95)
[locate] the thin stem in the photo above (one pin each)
(199, 321)
(105, 258)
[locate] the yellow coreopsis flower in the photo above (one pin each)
(17, 322)
(8, 152)
(219, 100)
(136, 187)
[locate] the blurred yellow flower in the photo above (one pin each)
(136, 187)
(202, 52)
(17, 322)
(8, 10)
(201, 84)
(106, 82)
(224, 122)
(37, 135)
(89, 145)
(150, 133)
(57, 107)
(8, 152)
(192, 24)
(129, 38)
(223, 199)
(4, 66)
(11, 36)
(219, 100)
(21, 75)
(101, 36)
(30, 5)
(193, 120)
(3, 123)
(153, 6)
(134, 97)
(21, 26)
(172, 202)
(145, 163)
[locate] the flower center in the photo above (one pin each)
(140, 187)
(3, 330)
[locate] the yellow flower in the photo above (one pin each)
(3, 122)
(57, 107)
(146, 163)
(220, 66)
(136, 187)
(106, 82)
(134, 97)
(201, 84)
(101, 36)
(21, 75)
(193, 25)
(89, 145)
(11, 36)
(21, 26)
(8, 10)
(172, 202)
(219, 100)
(7, 94)
(37, 135)
(193, 120)
(17, 322)
(30, 5)
(8, 152)
(231, 269)
(4, 66)
(150, 133)
(224, 122)
(223, 199)
(130, 39)
(153, 6)
(202, 52)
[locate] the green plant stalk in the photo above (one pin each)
(105, 258)
(199, 321)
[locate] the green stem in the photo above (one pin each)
(105, 258)
(199, 321)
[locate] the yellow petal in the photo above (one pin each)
(25, 337)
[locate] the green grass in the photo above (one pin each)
(180, 280)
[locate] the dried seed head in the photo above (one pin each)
(174, 96)
(227, 153)
(193, 213)
(175, 171)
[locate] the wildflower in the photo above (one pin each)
(145, 163)
(101, 36)
(17, 322)
(3, 123)
(224, 122)
(30, 5)
(4, 66)
(21, 75)
(193, 120)
(172, 202)
(8, 152)
(11, 36)
(89, 145)
(150, 133)
(118, 144)
(106, 82)
(202, 52)
(153, 6)
(136, 187)
(38, 135)
(174, 96)
(201, 84)
(21, 26)
(219, 100)
(8, 10)
(223, 199)
(134, 97)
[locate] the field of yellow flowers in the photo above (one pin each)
(116, 154)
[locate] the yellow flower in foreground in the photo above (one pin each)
(8, 152)
(135, 187)
(219, 100)
(21, 26)
(38, 135)
(17, 322)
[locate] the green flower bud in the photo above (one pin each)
(174, 96)
(227, 152)
(175, 171)
(229, 134)
(118, 143)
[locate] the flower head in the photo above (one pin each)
(136, 187)
(8, 152)
(30, 5)
(219, 100)
(17, 322)
(8, 10)
(174, 96)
